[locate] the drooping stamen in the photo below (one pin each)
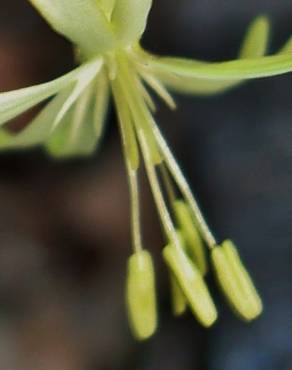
(184, 187)
(159, 88)
(129, 141)
(141, 295)
(158, 195)
(235, 281)
(139, 110)
(178, 299)
(192, 285)
(193, 240)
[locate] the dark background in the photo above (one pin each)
(64, 234)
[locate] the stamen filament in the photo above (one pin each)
(128, 138)
(157, 194)
(159, 88)
(139, 110)
(184, 188)
(135, 210)
(167, 183)
(147, 97)
(126, 125)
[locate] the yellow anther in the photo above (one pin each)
(235, 281)
(141, 296)
(192, 238)
(192, 284)
(178, 299)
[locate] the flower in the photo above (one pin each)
(112, 64)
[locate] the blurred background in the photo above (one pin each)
(64, 234)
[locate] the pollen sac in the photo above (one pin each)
(236, 282)
(141, 296)
(178, 299)
(192, 238)
(179, 302)
(192, 284)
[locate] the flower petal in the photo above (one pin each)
(256, 39)
(83, 80)
(38, 130)
(231, 70)
(102, 98)
(194, 76)
(81, 21)
(13, 103)
(75, 135)
(129, 19)
(287, 47)
(107, 6)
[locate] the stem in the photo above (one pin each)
(184, 188)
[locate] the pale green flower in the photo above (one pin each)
(106, 35)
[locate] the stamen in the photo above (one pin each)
(192, 284)
(140, 113)
(141, 296)
(235, 281)
(126, 128)
(157, 194)
(167, 183)
(178, 299)
(135, 210)
(101, 103)
(132, 163)
(194, 243)
(159, 88)
(184, 187)
(147, 97)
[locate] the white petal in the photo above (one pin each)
(15, 102)
(81, 21)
